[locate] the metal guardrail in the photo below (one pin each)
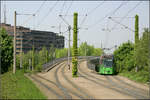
(53, 63)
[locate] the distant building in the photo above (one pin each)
(33, 37)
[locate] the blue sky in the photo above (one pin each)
(94, 35)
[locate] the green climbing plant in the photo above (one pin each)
(136, 55)
(75, 48)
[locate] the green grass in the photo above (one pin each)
(17, 86)
(140, 77)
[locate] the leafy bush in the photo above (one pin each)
(124, 58)
(89, 50)
(125, 62)
(6, 48)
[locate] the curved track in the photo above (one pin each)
(60, 85)
(118, 88)
(65, 91)
(126, 90)
(129, 85)
(79, 89)
(47, 87)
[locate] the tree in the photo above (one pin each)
(26, 58)
(144, 50)
(6, 47)
(60, 53)
(33, 61)
(51, 52)
(124, 57)
(97, 52)
(89, 50)
(42, 58)
(83, 49)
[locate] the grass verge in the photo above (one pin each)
(17, 86)
(140, 77)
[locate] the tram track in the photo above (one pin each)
(128, 91)
(65, 91)
(130, 86)
(127, 87)
(99, 82)
(63, 87)
(47, 87)
(84, 94)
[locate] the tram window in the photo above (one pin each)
(108, 62)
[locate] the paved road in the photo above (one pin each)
(59, 84)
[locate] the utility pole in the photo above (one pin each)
(69, 29)
(85, 50)
(21, 52)
(5, 13)
(60, 28)
(101, 45)
(14, 65)
(21, 36)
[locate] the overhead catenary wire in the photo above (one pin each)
(127, 14)
(60, 14)
(62, 8)
(69, 8)
(50, 10)
(94, 9)
(65, 14)
(122, 24)
(37, 11)
(90, 12)
(110, 13)
(107, 34)
(27, 20)
(64, 20)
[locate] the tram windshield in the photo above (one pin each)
(108, 62)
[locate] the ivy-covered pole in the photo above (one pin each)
(136, 39)
(75, 48)
(32, 58)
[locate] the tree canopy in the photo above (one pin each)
(124, 57)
